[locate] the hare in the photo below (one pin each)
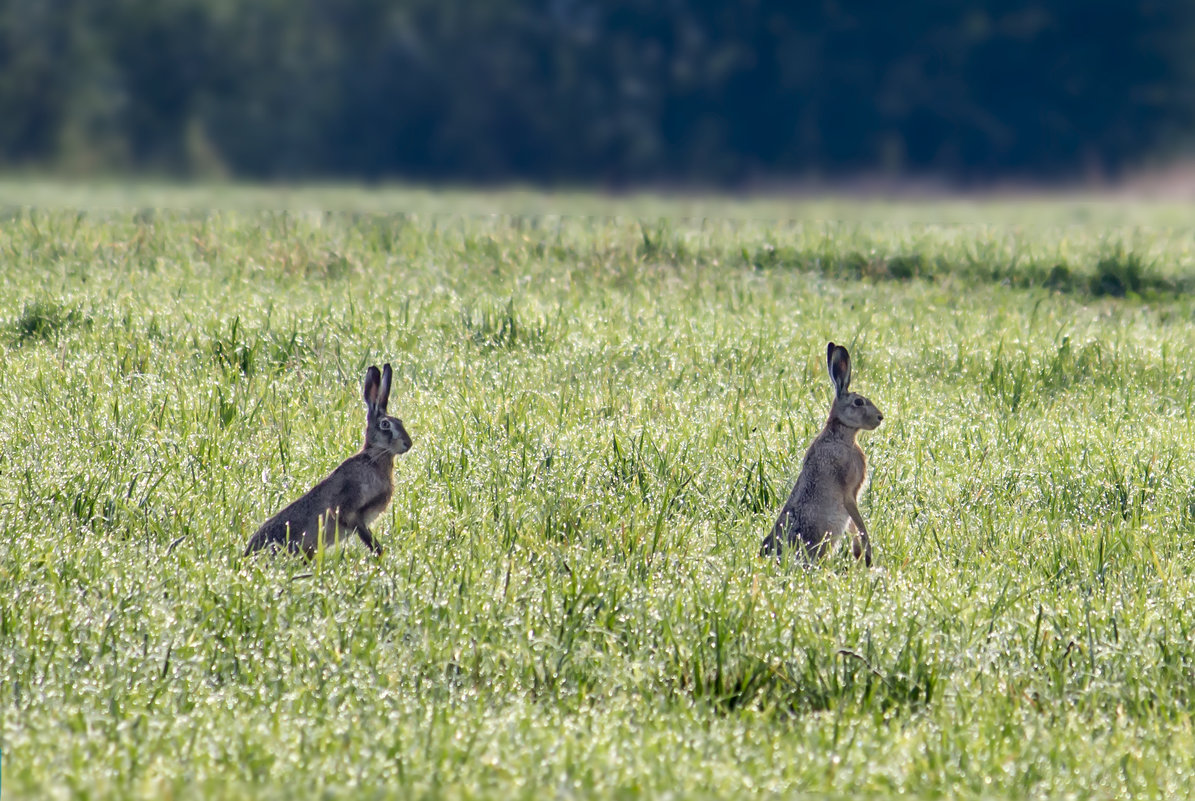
(824, 501)
(354, 493)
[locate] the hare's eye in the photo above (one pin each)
(384, 424)
(858, 401)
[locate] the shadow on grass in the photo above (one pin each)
(1118, 273)
(42, 320)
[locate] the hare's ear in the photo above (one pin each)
(370, 390)
(839, 363)
(384, 389)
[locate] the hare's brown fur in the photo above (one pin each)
(354, 494)
(824, 501)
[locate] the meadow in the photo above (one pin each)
(609, 401)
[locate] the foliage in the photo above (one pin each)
(576, 90)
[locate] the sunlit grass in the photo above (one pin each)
(607, 411)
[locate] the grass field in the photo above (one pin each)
(609, 401)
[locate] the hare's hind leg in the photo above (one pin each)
(771, 546)
(784, 534)
(270, 538)
(817, 546)
(296, 547)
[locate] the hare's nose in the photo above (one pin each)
(879, 416)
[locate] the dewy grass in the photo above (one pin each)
(607, 412)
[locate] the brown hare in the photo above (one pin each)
(824, 501)
(353, 494)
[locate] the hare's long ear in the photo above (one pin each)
(384, 390)
(839, 363)
(370, 390)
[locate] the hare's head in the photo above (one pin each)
(382, 431)
(850, 408)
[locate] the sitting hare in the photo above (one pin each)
(824, 501)
(354, 493)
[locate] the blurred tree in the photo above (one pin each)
(616, 91)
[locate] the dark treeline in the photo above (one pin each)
(586, 90)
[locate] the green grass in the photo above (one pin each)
(609, 401)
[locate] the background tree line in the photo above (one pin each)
(618, 91)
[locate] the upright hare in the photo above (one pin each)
(824, 501)
(353, 494)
